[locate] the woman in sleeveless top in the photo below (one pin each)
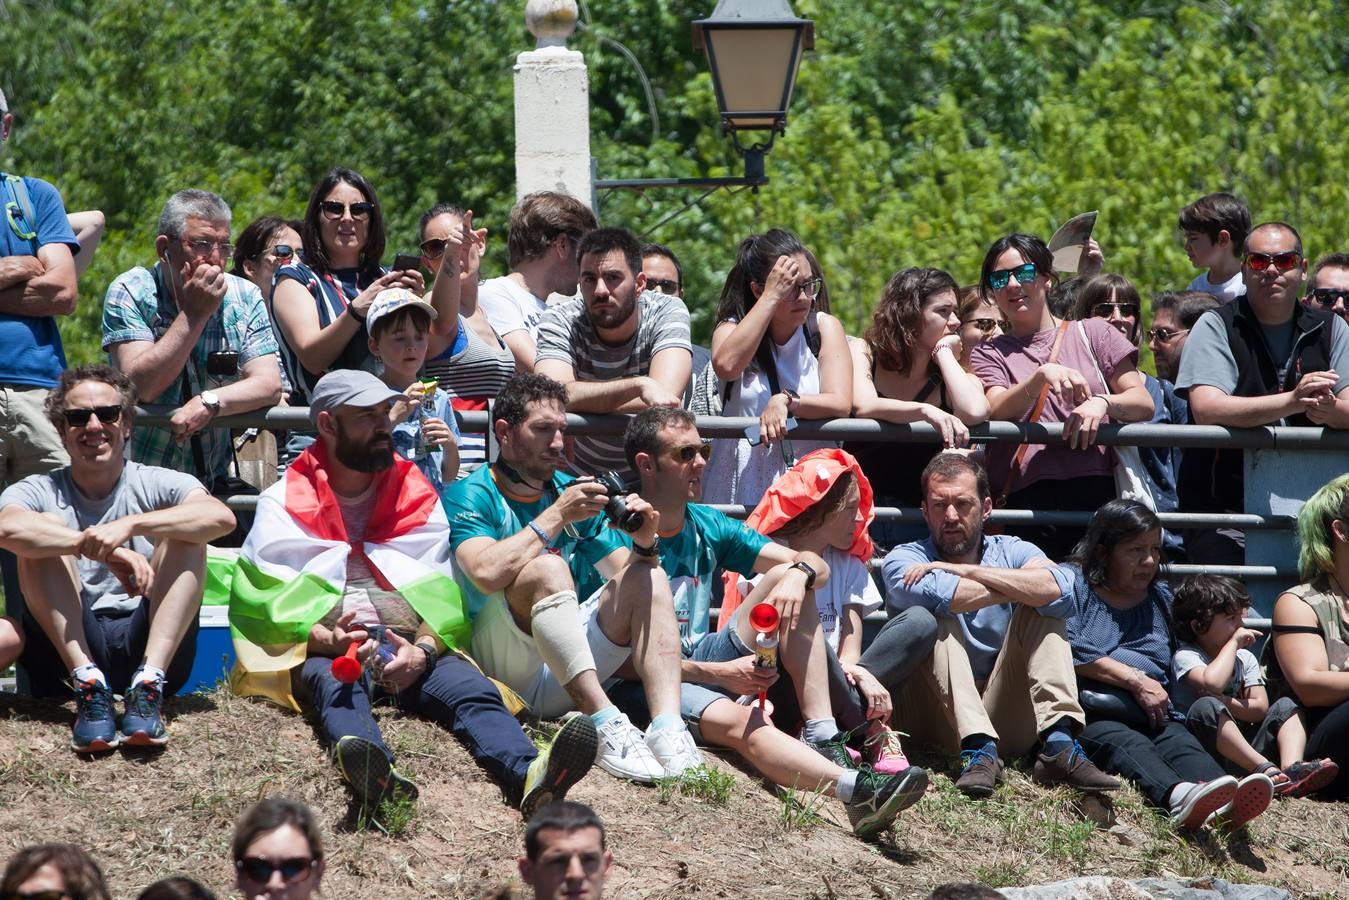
(907, 369)
(476, 364)
(782, 357)
(1311, 630)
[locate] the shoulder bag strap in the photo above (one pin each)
(1034, 416)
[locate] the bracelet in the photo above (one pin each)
(1106, 398)
(542, 535)
(648, 552)
(351, 310)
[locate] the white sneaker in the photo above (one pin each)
(623, 752)
(675, 750)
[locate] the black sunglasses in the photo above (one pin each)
(984, 325)
(686, 453)
(1126, 310)
(78, 418)
(49, 894)
(333, 209)
(283, 251)
(259, 870)
(1327, 296)
(663, 285)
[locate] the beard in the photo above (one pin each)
(950, 547)
(613, 318)
(364, 457)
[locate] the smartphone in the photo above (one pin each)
(752, 432)
(406, 261)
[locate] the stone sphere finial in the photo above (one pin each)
(551, 21)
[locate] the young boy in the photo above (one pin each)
(1217, 678)
(398, 323)
(1215, 228)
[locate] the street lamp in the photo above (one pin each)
(753, 49)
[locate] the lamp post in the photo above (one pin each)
(753, 49)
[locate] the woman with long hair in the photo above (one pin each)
(980, 321)
(1122, 647)
(265, 245)
(782, 359)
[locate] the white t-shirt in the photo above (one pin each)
(849, 585)
(1245, 673)
(1228, 291)
(510, 307)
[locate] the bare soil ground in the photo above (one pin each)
(145, 817)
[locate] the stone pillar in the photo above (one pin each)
(552, 107)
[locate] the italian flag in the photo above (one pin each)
(292, 568)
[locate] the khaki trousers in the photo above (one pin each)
(1031, 687)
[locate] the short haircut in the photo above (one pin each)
(1200, 598)
(270, 814)
(1214, 213)
(947, 466)
(538, 218)
(191, 204)
(1099, 289)
(523, 389)
(1115, 522)
(176, 888)
(1329, 261)
(55, 404)
(253, 240)
(605, 240)
(420, 319)
(1274, 226)
(83, 877)
(564, 815)
(1032, 250)
(315, 254)
(662, 250)
(898, 319)
(1186, 306)
(440, 209)
(643, 432)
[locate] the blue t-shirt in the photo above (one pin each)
(405, 438)
(1139, 636)
(477, 507)
(30, 346)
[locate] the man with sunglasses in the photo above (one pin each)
(112, 558)
(1328, 286)
(1262, 359)
(192, 336)
(620, 348)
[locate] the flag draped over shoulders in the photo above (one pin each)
(292, 568)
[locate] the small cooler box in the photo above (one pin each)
(215, 650)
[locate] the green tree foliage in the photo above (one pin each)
(919, 133)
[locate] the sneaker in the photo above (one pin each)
(1071, 767)
(836, 750)
(1202, 801)
(366, 767)
(1252, 798)
(623, 752)
(878, 798)
(980, 773)
(1308, 777)
(143, 722)
(95, 726)
(675, 750)
(563, 763)
(882, 751)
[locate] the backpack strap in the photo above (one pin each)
(812, 327)
(19, 211)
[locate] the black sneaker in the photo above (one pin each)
(143, 722)
(563, 763)
(366, 767)
(95, 724)
(836, 750)
(877, 799)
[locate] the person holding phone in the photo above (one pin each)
(782, 359)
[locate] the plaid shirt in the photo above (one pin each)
(135, 310)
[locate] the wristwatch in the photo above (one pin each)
(810, 573)
(210, 400)
(653, 550)
(431, 654)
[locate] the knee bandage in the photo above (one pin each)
(560, 637)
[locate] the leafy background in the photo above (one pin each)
(919, 131)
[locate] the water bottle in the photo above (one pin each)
(420, 448)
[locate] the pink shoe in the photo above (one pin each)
(884, 752)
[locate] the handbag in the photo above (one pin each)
(1035, 412)
(1131, 481)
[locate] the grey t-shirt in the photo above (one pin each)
(1207, 357)
(566, 334)
(1245, 673)
(141, 489)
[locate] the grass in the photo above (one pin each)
(701, 783)
(801, 809)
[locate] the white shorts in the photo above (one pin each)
(509, 655)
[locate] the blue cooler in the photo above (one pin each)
(215, 649)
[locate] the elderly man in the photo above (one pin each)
(112, 556)
(192, 336)
(350, 558)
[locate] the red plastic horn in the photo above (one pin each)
(346, 668)
(763, 618)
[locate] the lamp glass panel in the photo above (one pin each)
(755, 68)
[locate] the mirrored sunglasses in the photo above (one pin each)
(1259, 262)
(1024, 274)
(1165, 334)
(283, 251)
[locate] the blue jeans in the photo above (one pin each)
(454, 695)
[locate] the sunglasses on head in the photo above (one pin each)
(1259, 262)
(984, 325)
(1103, 310)
(1327, 296)
(78, 418)
(1024, 274)
(434, 248)
(1165, 334)
(686, 453)
(333, 209)
(259, 870)
(664, 286)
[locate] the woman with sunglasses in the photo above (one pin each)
(782, 358)
(1047, 370)
(907, 369)
(53, 872)
(980, 320)
(475, 363)
(278, 852)
(318, 306)
(267, 244)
